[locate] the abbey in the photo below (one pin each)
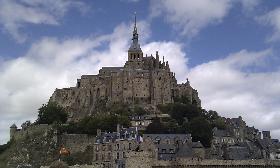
(142, 80)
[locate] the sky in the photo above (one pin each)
(228, 49)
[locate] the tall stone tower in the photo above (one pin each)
(135, 54)
(13, 130)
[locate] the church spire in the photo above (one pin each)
(135, 46)
(135, 28)
(135, 54)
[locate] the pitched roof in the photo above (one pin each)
(13, 126)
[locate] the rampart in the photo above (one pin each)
(145, 159)
(218, 164)
(30, 130)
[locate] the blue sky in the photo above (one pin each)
(229, 49)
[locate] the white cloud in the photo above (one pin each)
(28, 81)
(47, 12)
(272, 19)
(227, 86)
(249, 5)
(190, 16)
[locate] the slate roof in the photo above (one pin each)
(125, 133)
(182, 137)
(13, 126)
(184, 151)
(268, 145)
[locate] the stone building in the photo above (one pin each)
(111, 149)
(141, 122)
(142, 80)
(174, 146)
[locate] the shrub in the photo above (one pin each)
(50, 113)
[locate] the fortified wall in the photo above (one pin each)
(146, 160)
(18, 134)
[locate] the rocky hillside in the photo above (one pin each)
(32, 150)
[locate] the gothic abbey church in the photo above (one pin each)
(142, 80)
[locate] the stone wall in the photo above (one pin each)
(145, 159)
(19, 134)
(76, 142)
(79, 166)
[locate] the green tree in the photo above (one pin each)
(50, 113)
(180, 111)
(156, 127)
(219, 123)
(139, 111)
(4, 147)
(201, 130)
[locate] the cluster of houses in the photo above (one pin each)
(240, 142)
(236, 142)
(112, 149)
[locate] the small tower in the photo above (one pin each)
(13, 130)
(135, 53)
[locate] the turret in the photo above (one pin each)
(157, 60)
(167, 65)
(13, 130)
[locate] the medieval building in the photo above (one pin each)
(142, 80)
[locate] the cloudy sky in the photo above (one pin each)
(229, 50)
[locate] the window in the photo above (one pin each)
(163, 150)
(167, 141)
(129, 146)
(123, 154)
(157, 139)
(118, 146)
(97, 148)
(118, 155)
